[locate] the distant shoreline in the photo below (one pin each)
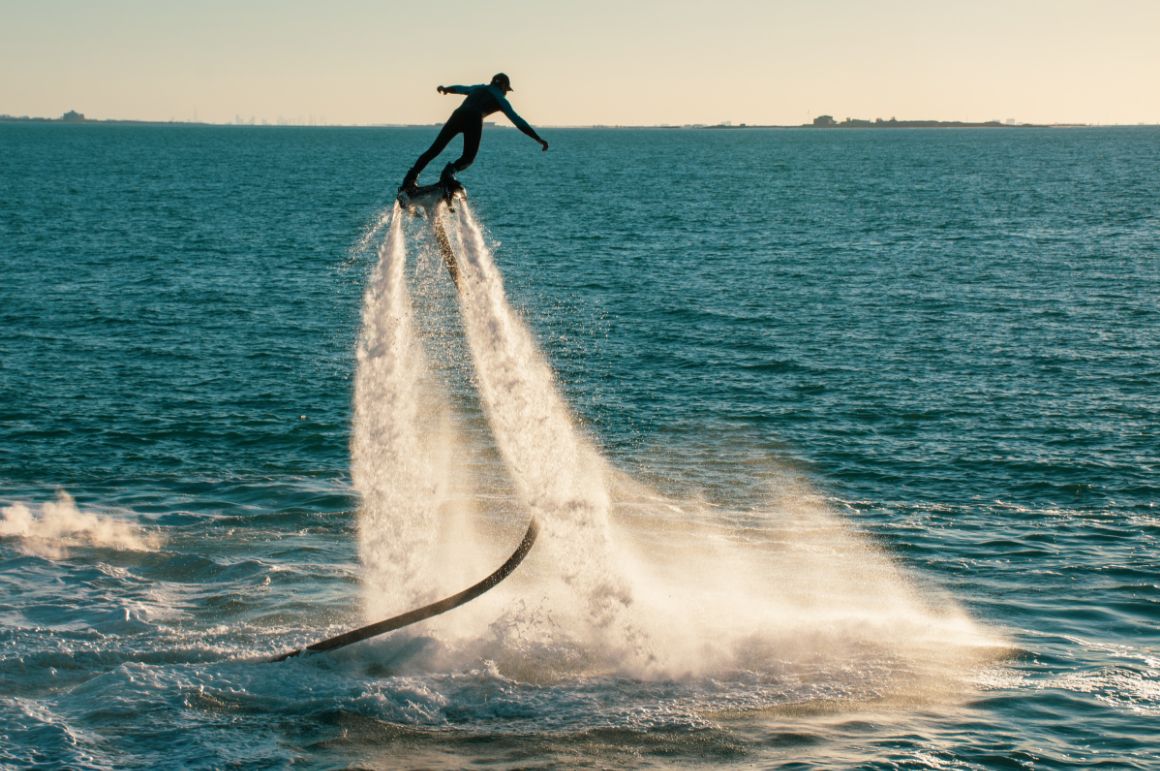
(849, 124)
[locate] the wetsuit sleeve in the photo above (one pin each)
(517, 121)
(461, 90)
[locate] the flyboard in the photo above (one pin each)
(427, 611)
(426, 200)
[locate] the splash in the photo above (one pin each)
(625, 580)
(61, 525)
(646, 585)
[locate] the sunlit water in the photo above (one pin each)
(844, 446)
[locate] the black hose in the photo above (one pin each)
(427, 611)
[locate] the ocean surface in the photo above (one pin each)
(844, 447)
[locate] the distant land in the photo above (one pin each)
(828, 122)
(73, 116)
(820, 122)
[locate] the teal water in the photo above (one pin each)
(949, 340)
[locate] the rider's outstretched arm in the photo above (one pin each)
(461, 90)
(520, 123)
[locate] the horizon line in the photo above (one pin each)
(852, 123)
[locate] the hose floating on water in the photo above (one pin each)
(427, 611)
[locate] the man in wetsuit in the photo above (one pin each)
(481, 101)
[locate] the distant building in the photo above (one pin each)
(72, 116)
(825, 121)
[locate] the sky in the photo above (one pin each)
(599, 62)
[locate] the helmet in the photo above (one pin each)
(502, 81)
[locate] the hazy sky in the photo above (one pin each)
(582, 63)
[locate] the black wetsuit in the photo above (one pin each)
(481, 101)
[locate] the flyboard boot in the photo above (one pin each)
(408, 189)
(451, 186)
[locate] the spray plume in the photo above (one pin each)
(624, 580)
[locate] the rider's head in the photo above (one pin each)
(502, 82)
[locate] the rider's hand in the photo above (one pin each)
(441, 89)
(544, 145)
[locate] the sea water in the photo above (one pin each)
(843, 445)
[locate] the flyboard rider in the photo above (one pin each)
(481, 101)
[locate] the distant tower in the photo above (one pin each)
(825, 121)
(72, 116)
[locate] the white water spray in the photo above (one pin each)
(624, 580)
(558, 474)
(403, 447)
(653, 586)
